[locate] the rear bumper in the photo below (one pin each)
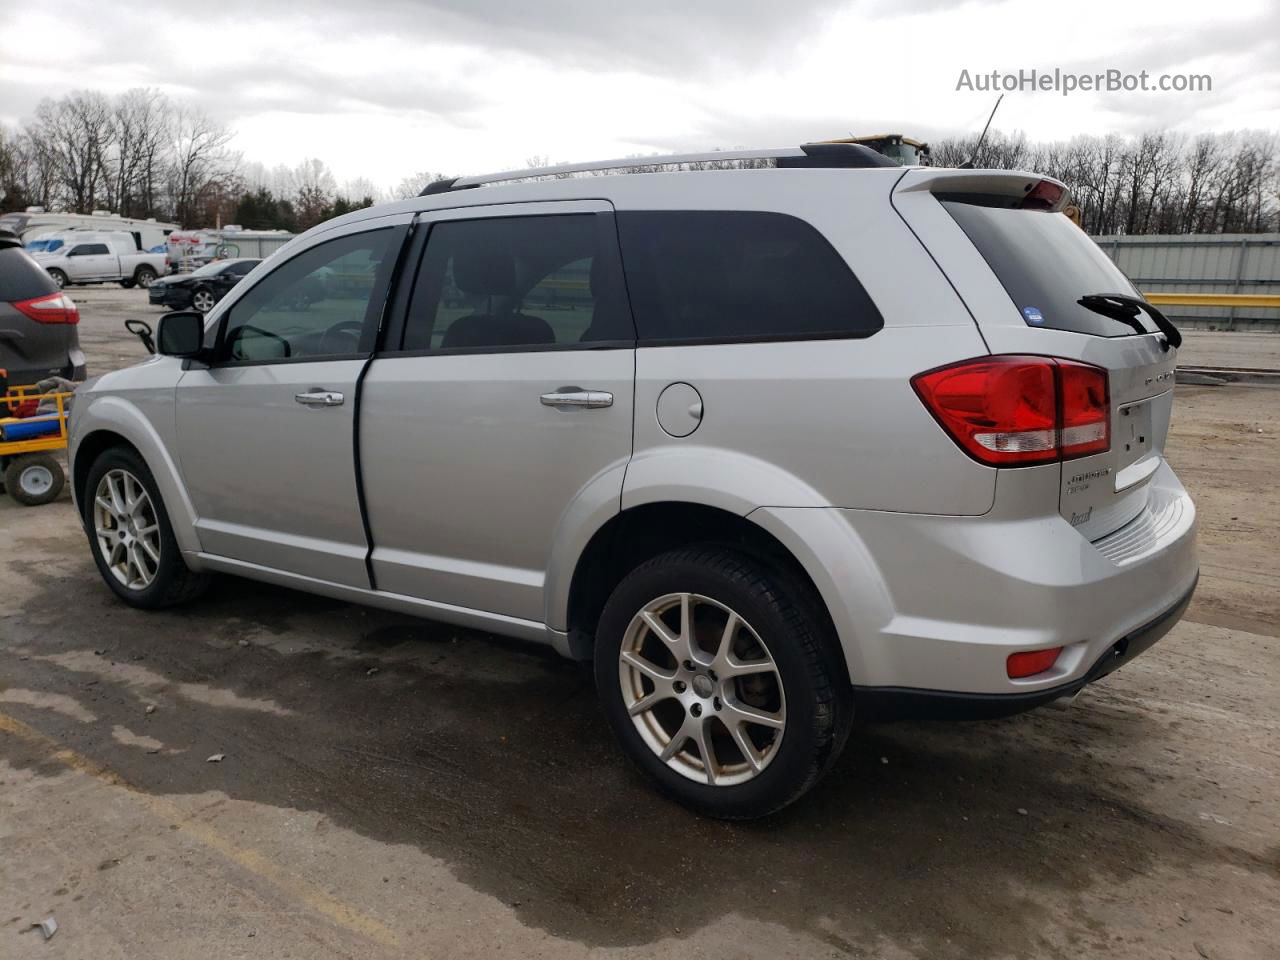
(928, 607)
(902, 703)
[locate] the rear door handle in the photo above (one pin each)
(320, 398)
(577, 397)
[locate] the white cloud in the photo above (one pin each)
(385, 87)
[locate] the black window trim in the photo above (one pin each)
(370, 331)
(398, 314)
(397, 326)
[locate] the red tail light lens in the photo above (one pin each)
(54, 308)
(1019, 411)
(1031, 662)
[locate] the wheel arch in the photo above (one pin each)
(641, 532)
(113, 422)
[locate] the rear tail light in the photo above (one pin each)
(1031, 662)
(54, 308)
(1016, 411)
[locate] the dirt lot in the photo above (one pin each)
(394, 787)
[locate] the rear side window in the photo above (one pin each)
(715, 276)
(89, 250)
(510, 283)
(21, 278)
(1046, 264)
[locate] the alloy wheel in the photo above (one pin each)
(127, 529)
(702, 689)
(203, 301)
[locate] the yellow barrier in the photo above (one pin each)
(1213, 299)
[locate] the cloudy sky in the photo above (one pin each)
(382, 88)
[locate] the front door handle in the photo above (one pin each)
(320, 398)
(577, 397)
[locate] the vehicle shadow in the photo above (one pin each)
(493, 756)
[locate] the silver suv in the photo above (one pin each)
(777, 447)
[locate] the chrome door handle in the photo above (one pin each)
(320, 398)
(577, 397)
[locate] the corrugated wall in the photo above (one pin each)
(1202, 263)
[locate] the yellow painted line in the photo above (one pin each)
(1214, 299)
(253, 861)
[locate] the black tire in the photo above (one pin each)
(174, 583)
(33, 479)
(59, 278)
(143, 276)
(203, 299)
(814, 678)
(128, 284)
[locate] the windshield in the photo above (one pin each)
(209, 269)
(1047, 265)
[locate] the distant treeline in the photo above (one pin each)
(1153, 183)
(143, 154)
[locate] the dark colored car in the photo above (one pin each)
(38, 333)
(201, 289)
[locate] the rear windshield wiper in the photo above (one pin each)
(1121, 307)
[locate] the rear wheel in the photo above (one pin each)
(128, 284)
(130, 535)
(721, 682)
(33, 479)
(143, 276)
(202, 299)
(59, 277)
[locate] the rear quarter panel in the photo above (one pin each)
(817, 422)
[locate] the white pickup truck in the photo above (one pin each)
(91, 257)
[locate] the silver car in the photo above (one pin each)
(776, 447)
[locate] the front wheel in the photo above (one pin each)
(721, 681)
(202, 299)
(130, 535)
(59, 277)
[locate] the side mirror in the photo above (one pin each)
(181, 334)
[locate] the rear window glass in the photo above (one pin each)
(1046, 264)
(21, 278)
(716, 276)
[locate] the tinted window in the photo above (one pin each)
(89, 249)
(718, 276)
(1046, 263)
(241, 268)
(21, 278)
(316, 305)
(518, 282)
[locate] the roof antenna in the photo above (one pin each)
(968, 164)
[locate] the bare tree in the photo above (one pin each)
(142, 120)
(415, 183)
(201, 162)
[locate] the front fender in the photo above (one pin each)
(125, 418)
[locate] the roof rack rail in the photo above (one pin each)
(811, 155)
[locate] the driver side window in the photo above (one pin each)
(318, 304)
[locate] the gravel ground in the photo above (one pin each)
(393, 787)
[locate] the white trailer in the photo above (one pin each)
(35, 222)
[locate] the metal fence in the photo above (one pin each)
(1230, 263)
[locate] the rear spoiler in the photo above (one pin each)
(1029, 190)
